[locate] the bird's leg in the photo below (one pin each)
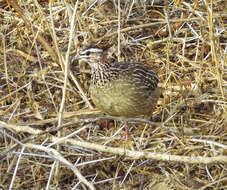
(126, 130)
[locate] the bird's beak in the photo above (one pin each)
(74, 58)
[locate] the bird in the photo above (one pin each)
(121, 89)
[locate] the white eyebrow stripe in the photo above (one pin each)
(92, 50)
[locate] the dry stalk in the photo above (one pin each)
(182, 147)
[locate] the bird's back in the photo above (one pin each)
(131, 90)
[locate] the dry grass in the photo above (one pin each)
(47, 121)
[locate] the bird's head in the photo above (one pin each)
(90, 54)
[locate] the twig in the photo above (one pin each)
(57, 156)
(134, 154)
(146, 155)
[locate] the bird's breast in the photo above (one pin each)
(123, 97)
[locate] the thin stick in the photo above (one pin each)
(146, 155)
(126, 152)
(119, 31)
(212, 44)
(5, 64)
(57, 156)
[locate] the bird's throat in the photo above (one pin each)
(101, 73)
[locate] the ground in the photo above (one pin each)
(45, 100)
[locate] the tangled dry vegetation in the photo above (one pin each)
(51, 135)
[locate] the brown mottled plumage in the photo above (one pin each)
(121, 89)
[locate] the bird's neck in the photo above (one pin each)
(101, 73)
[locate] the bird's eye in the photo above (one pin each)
(88, 53)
